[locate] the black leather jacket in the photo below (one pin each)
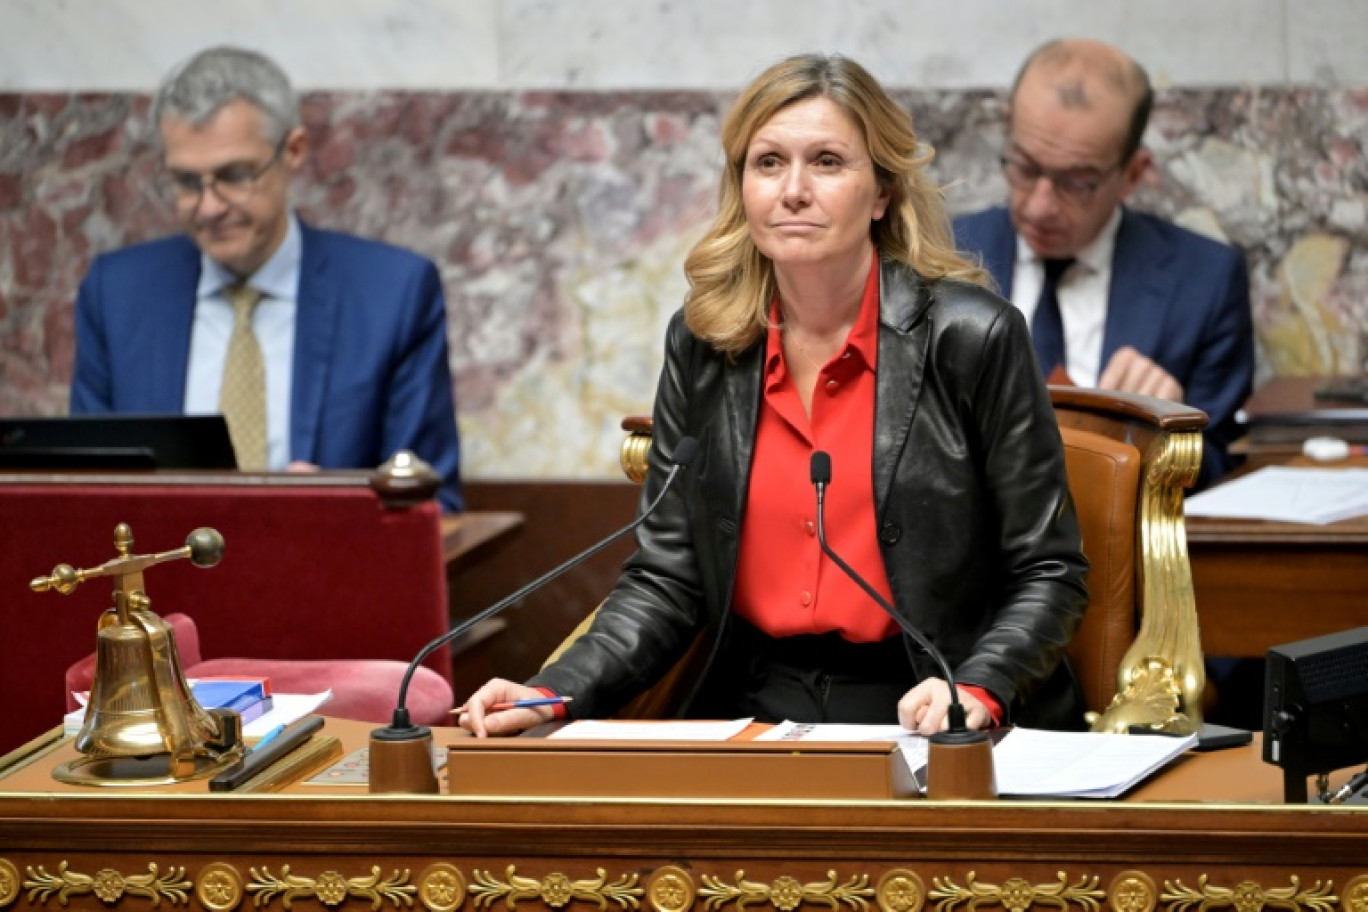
(975, 522)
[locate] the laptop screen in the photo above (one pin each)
(116, 442)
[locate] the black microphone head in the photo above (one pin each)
(684, 452)
(820, 467)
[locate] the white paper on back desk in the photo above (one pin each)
(1286, 494)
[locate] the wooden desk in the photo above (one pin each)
(463, 533)
(316, 850)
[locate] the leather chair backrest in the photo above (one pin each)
(1104, 479)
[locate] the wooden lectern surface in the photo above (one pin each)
(1207, 834)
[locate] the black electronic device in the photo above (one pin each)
(1316, 707)
(116, 442)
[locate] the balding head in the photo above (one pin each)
(1089, 75)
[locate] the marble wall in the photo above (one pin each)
(559, 170)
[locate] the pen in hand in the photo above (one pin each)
(518, 704)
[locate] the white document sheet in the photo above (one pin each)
(911, 745)
(1079, 764)
(598, 730)
(285, 708)
(1287, 494)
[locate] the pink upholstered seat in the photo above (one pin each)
(363, 689)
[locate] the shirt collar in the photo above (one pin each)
(863, 340)
(277, 278)
(1096, 256)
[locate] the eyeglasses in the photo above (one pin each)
(1073, 185)
(234, 183)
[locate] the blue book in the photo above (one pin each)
(249, 697)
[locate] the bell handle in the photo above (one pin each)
(204, 547)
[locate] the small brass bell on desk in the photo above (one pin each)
(142, 725)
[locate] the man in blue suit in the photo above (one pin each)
(336, 345)
(1116, 299)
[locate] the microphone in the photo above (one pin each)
(401, 754)
(973, 779)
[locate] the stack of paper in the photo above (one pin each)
(1287, 494)
(1080, 764)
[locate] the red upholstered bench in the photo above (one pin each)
(316, 569)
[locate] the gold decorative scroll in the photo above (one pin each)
(441, 888)
(670, 889)
(901, 890)
(1133, 891)
(107, 884)
(1248, 896)
(556, 889)
(787, 893)
(330, 888)
(219, 887)
(1161, 676)
(9, 882)
(1017, 895)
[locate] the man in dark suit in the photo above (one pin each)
(1116, 299)
(321, 349)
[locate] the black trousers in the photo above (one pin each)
(810, 678)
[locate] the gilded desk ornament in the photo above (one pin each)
(1248, 896)
(670, 889)
(9, 882)
(219, 887)
(330, 888)
(787, 893)
(555, 889)
(109, 885)
(1133, 891)
(1355, 898)
(441, 888)
(1161, 676)
(143, 725)
(1016, 894)
(901, 890)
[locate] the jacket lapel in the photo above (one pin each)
(1141, 288)
(168, 314)
(742, 393)
(903, 304)
(315, 326)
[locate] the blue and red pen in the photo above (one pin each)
(519, 704)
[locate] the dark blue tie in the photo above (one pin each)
(1047, 326)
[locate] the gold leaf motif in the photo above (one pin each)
(901, 890)
(108, 885)
(1017, 895)
(786, 893)
(219, 888)
(556, 889)
(1133, 891)
(670, 889)
(441, 888)
(1355, 895)
(330, 887)
(1248, 896)
(9, 882)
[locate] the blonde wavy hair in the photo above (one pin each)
(731, 283)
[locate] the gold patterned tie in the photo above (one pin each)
(243, 395)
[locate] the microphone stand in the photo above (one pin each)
(959, 762)
(401, 753)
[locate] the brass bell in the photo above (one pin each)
(143, 725)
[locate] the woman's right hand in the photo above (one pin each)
(479, 718)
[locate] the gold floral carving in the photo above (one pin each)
(9, 882)
(331, 888)
(901, 890)
(1133, 891)
(556, 890)
(670, 889)
(109, 885)
(219, 887)
(1355, 898)
(1017, 895)
(441, 888)
(1247, 896)
(787, 893)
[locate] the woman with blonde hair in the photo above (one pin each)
(828, 311)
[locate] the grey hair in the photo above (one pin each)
(202, 86)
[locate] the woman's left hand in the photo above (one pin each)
(923, 708)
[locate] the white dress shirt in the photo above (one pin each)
(273, 321)
(1082, 292)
